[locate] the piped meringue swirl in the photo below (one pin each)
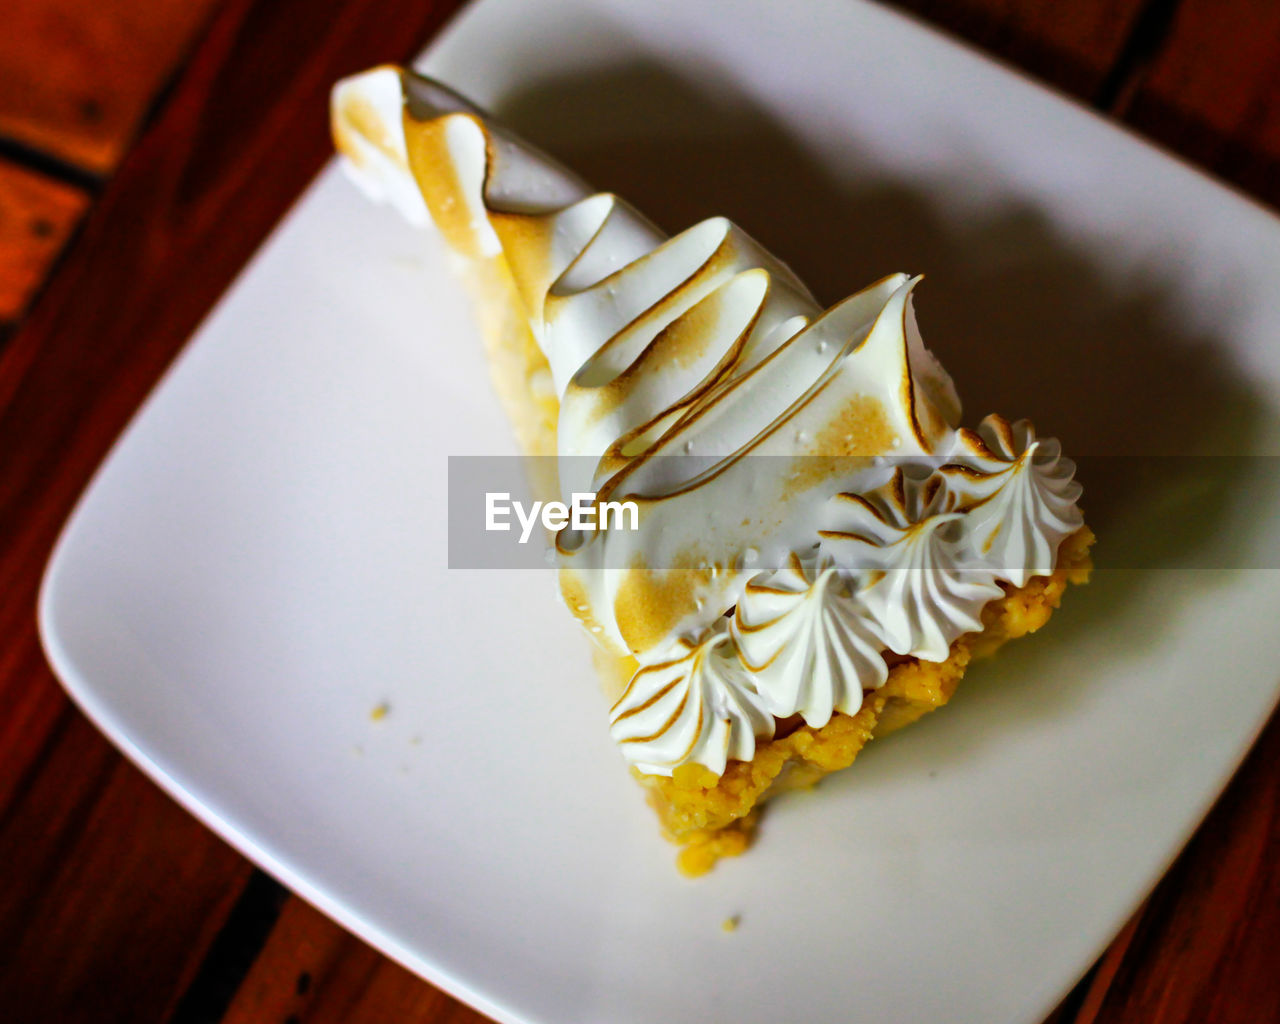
(694, 702)
(911, 557)
(755, 588)
(1020, 496)
(811, 645)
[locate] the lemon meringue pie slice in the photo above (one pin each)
(819, 548)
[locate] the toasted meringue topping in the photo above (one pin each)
(876, 524)
(912, 560)
(1020, 494)
(810, 644)
(695, 703)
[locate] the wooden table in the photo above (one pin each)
(146, 148)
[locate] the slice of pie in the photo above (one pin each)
(820, 549)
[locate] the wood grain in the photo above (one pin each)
(1203, 948)
(76, 78)
(1213, 94)
(313, 970)
(37, 216)
(111, 895)
(107, 871)
(93, 858)
(1094, 987)
(1071, 45)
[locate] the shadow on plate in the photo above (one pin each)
(1027, 322)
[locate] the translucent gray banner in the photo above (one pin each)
(1148, 512)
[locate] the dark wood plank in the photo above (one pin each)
(111, 891)
(111, 894)
(313, 970)
(195, 182)
(1203, 948)
(1214, 93)
(76, 78)
(37, 216)
(243, 133)
(1070, 45)
(1099, 981)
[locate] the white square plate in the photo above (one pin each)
(261, 561)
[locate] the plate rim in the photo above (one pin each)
(100, 712)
